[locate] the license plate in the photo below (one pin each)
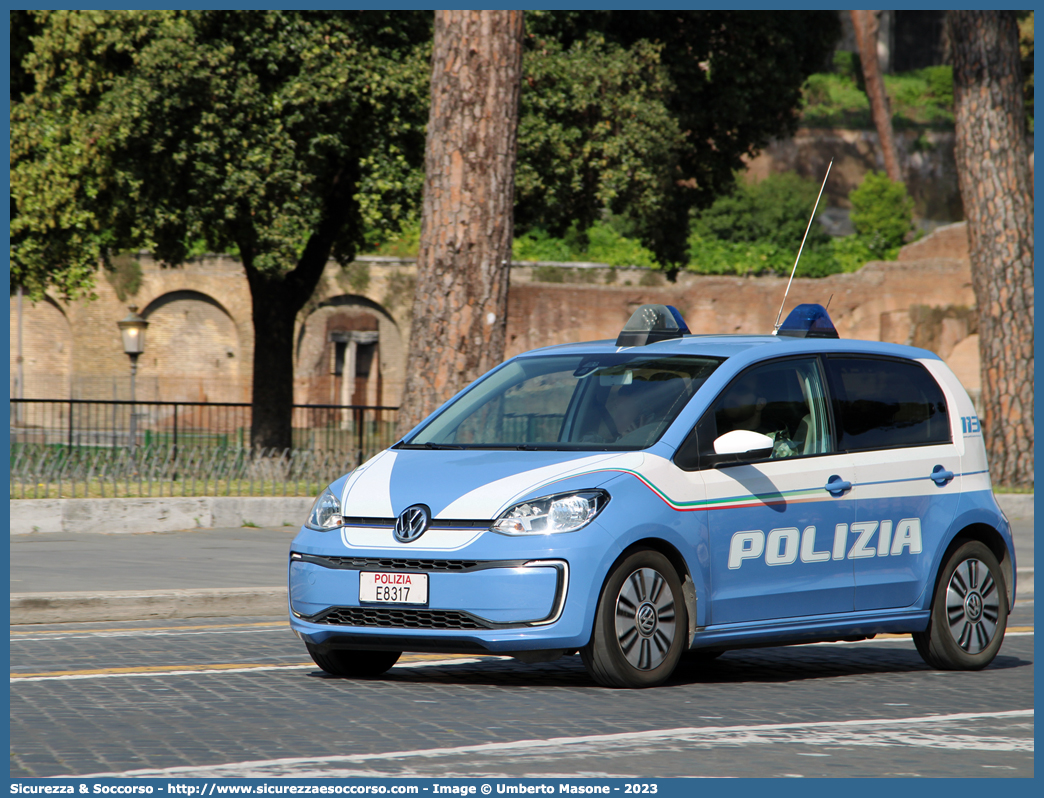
(389, 588)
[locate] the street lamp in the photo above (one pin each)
(132, 330)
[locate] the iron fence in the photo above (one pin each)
(69, 448)
(75, 423)
(41, 471)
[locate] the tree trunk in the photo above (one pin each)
(273, 380)
(866, 25)
(275, 300)
(460, 306)
(994, 177)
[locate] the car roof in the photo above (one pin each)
(756, 347)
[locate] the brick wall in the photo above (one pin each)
(200, 342)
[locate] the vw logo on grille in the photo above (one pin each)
(411, 523)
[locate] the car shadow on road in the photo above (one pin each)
(765, 665)
(802, 663)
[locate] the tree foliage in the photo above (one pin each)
(158, 127)
(595, 134)
(733, 83)
(280, 135)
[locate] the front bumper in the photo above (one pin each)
(497, 595)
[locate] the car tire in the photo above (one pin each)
(640, 625)
(354, 664)
(969, 612)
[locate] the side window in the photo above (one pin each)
(885, 404)
(783, 399)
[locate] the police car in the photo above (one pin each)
(662, 494)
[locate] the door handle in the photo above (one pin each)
(941, 476)
(836, 486)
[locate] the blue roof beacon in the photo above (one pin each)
(808, 321)
(664, 493)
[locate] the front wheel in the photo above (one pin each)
(640, 624)
(969, 612)
(353, 664)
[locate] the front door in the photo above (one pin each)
(778, 526)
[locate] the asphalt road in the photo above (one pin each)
(237, 697)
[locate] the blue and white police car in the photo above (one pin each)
(668, 493)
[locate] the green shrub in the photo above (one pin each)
(709, 255)
(600, 243)
(124, 274)
(758, 230)
(847, 65)
(831, 100)
(775, 210)
(540, 245)
(882, 214)
(850, 253)
(405, 244)
(606, 245)
(940, 83)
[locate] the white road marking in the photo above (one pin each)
(913, 732)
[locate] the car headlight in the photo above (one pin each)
(564, 512)
(326, 512)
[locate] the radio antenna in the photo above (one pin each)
(811, 219)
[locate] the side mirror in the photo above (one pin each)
(742, 441)
(739, 446)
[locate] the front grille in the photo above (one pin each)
(402, 563)
(365, 563)
(436, 523)
(398, 618)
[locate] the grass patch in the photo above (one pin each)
(919, 99)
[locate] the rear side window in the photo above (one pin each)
(884, 404)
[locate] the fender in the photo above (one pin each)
(686, 535)
(978, 507)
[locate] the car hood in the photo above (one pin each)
(468, 484)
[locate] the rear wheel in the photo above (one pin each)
(640, 624)
(969, 612)
(354, 664)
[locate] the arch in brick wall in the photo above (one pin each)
(349, 350)
(47, 349)
(192, 350)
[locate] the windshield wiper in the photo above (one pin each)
(432, 446)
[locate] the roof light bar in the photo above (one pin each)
(808, 321)
(652, 323)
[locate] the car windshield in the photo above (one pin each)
(619, 400)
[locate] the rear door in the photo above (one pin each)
(892, 418)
